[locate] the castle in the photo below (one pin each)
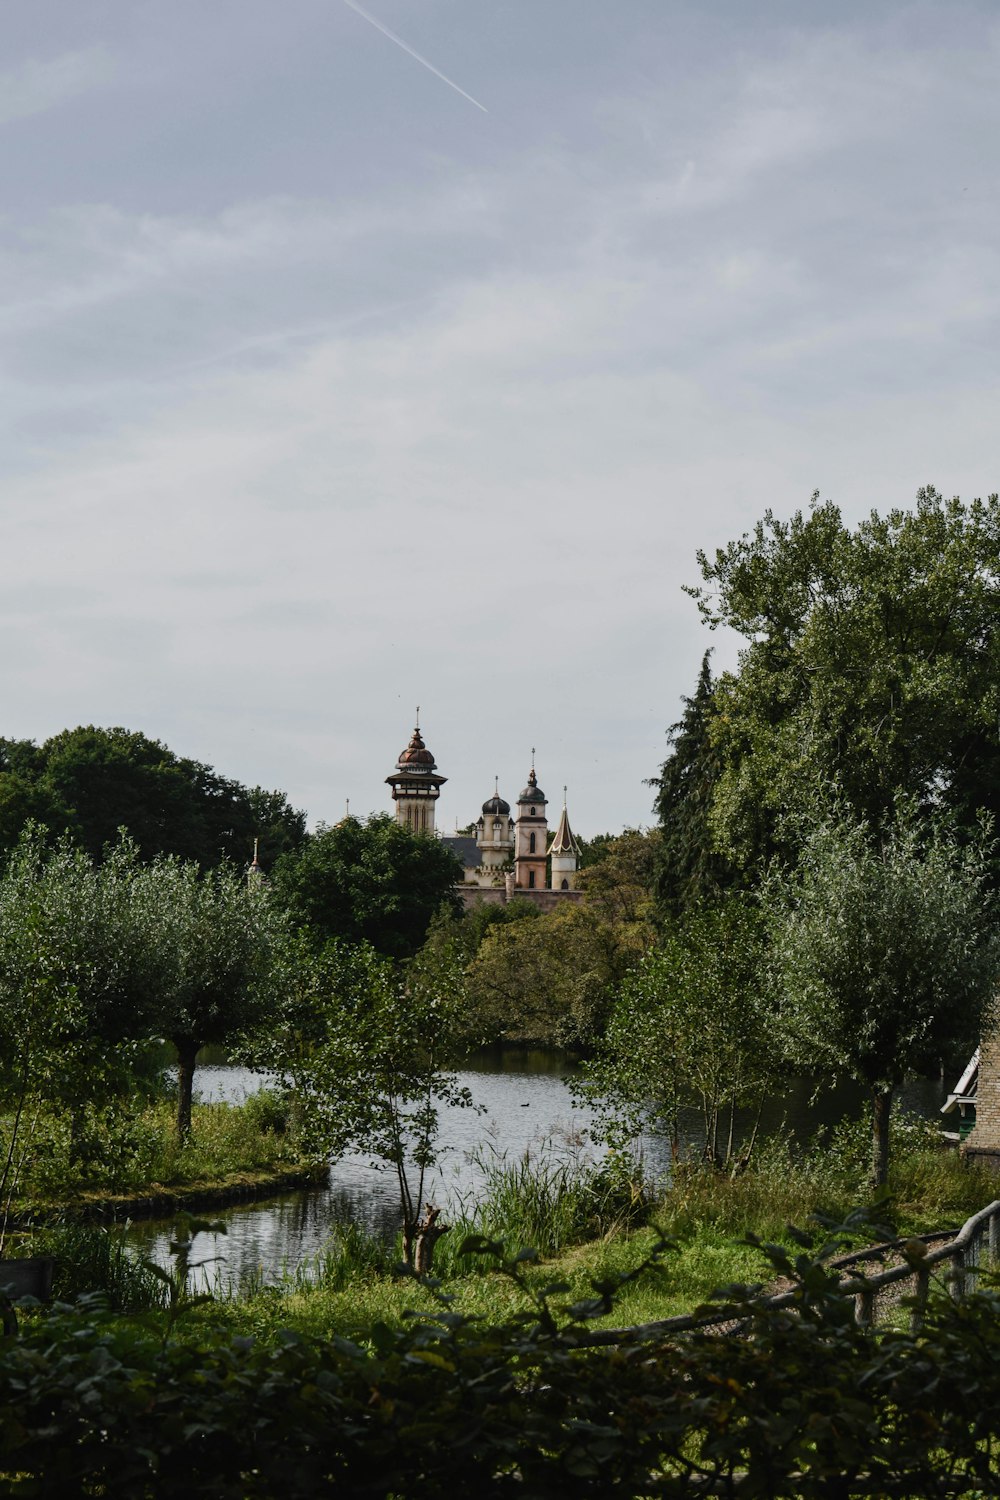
(506, 855)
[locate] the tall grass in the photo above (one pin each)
(89, 1258)
(139, 1149)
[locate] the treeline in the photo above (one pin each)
(92, 782)
(825, 862)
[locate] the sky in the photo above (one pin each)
(330, 385)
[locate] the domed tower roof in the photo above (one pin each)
(416, 768)
(496, 805)
(533, 792)
(416, 756)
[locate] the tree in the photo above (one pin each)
(619, 882)
(549, 982)
(75, 991)
(689, 867)
(871, 666)
(366, 1045)
(93, 782)
(368, 881)
(886, 955)
(219, 947)
(695, 1017)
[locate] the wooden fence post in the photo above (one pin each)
(958, 1276)
(920, 1299)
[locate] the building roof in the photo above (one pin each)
(496, 804)
(532, 792)
(416, 754)
(464, 849)
(416, 766)
(563, 841)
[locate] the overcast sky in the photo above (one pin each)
(325, 391)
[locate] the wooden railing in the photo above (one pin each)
(976, 1243)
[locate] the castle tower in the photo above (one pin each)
(495, 834)
(564, 853)
(416, 785)
(530, 836)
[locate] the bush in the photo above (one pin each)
(807, 1405)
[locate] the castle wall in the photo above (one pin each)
(546, 901)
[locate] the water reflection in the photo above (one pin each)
(524, 1105)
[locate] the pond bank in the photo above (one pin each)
(159, 1201)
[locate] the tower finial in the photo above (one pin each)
(418, 715)
(496, 786)
(564, 799)
(532, 757)
(347, 807)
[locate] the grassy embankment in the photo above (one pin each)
(135, 1164)
(592, 1228)
(586, 1225)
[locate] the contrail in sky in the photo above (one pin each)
(366, 15)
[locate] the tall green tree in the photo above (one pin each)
(695, 1020)
(871, 666)
(886, 955)
(689, 867)
(76, 992)
(368, 881)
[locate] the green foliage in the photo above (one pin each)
(549, 1204)
(219, 945)
(689, 867)
(90, 1258)
(871, 665)
(618, 886)
(366, 1048)
(695, 1015)
(369, 882)
(549, 982)
(806, 1404)
(93, 782)
(885, 955)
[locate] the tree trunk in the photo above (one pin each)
(187, 1051)
(881, 1113)
(419, 1239)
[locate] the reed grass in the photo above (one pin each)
(89, 1259)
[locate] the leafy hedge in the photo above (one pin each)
(808, 1404)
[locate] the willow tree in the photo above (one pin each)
(218, 944)
(886, 954)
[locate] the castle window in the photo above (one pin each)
(531, 847)
(564, 886)
(531, 880)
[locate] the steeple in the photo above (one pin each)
(564, 852)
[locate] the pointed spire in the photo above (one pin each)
(563, 841)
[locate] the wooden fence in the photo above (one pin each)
(959, 1256)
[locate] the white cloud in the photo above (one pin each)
(40, 84)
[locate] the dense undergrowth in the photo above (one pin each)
(810, 1405)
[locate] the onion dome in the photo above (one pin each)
(532, 792)
(416, 756)
(496, 805)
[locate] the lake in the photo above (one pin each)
(525, 1106)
